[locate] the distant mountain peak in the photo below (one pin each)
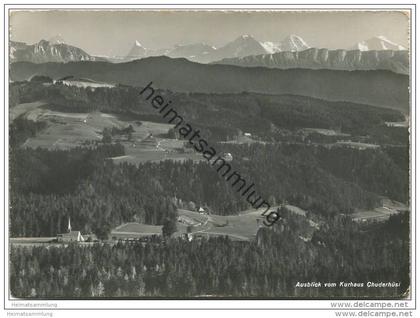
(242, 46)
(191, 51)
(293, 43)
(56, 39)
(293, 37)
(270, 47)
(378, 43)
(54, 50)
(42, 42)
(137, 51)
(245, 38)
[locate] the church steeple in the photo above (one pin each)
(69, 226)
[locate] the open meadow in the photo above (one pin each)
(64, 131)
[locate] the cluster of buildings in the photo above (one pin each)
(74, 236)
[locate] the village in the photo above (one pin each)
(199, 223)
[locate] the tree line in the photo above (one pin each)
(222, 116)
(269, 267)
(48, 186)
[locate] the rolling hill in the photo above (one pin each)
(379, 88)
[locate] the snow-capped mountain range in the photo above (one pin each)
(291, 43)
(376, 53)
(243, 45)
(245, 50)
(351, 60)
(246, 46)
(378, 43)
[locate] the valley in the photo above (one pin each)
(153, 157)
(146, 142)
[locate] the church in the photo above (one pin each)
(70, 236)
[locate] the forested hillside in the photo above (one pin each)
(270, 267)
(98, 194)
(292, 153)
(220, 115)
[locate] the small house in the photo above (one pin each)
(188, 237)
(227, 156)
(149, 141)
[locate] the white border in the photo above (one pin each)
(200, 304)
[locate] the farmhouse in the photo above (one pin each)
(149, 141)
(186, 220)
(227, 156)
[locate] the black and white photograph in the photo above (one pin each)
(208, 154)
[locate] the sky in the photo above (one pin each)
(114, 32)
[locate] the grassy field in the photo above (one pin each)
(135, 230)
(325, 132)
(85, 83)
(15, 240)
(356, 145)
(239, 227)
(24, 108)
(243, 226)
(389, 207)
(141, 154)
